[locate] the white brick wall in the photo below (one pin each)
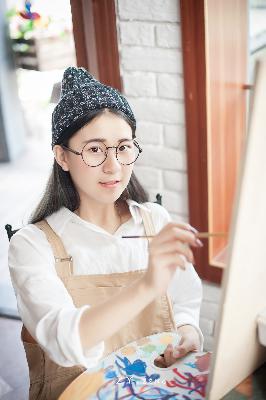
(149, 40)
(148, 10)
(168, 35)
(140, 84)
(137, 33)
(170, 86)
(150, 59)
(174, 140)
(150, 133)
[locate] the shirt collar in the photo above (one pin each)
(60, 218)
(134, 208)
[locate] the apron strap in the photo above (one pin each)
(63, 261)
(148, 223)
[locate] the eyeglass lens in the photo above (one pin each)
(95, 153)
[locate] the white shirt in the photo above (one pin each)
(44, 304)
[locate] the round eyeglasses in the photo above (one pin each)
(94, 153)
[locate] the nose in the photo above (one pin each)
(111, 164)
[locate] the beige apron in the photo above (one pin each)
(48, 379)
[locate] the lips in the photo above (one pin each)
(109, 184)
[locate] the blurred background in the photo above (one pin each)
(138, 47)
(37, 49)
(36, 44)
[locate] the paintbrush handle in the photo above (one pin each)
(199, 235)
(208, 234)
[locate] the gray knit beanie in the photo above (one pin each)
(81, 94)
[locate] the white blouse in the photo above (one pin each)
(45, 306)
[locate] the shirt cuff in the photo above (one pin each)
(192, 323)
(72, 347)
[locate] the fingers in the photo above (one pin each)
(191, 228)
(185, 346)
(186, 226)
(173, 231)
(160, 362)
(169, 249)
(168, 355)
(176, 247)
(171, 260)
(174, 238)
(166, 359)
(171, 354)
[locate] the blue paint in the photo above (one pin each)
(138, 367)
(152, 378)
(192, 365)
(110, 375)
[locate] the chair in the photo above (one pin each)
(11, 232)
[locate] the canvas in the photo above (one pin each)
(237, 352)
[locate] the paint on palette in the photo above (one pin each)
(202, 363)
(192, 383)
(129, 375)
(127, 351)
(149, 348)
(131, 386)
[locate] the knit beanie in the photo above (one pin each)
(81, 94)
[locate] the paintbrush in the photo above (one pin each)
(201, 235)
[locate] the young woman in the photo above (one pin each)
(82, 290)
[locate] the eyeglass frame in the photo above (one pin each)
(106, 152)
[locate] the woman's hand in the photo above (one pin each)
(169, 250)
(190, 341)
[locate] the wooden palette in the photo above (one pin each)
(130, 373)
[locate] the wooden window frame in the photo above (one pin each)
(194, 62)
(95, 36)
(215, 108)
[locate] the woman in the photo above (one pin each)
(82, 290)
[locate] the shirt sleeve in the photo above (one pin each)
(185, 290)
(44, 304)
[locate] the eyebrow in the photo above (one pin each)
(103, 140)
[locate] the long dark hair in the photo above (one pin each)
(60, 190)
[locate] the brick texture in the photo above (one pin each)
(149, 10)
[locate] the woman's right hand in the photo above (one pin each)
(168, 250)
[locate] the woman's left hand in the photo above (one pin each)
(190, 341)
